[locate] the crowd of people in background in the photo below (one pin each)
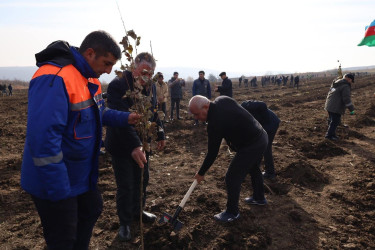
(281, 80)
(3, 90)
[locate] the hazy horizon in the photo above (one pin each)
(242, 37)
(24, 73)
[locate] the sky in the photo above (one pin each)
(239, 36)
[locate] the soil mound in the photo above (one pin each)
(321, 150)
(363, 121)
(304, 174)
(371, 110)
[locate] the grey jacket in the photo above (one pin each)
(176, 87)
(338, 98)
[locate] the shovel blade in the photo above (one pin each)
(176, 224)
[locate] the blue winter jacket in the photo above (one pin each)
(64, 126)
(202, 88)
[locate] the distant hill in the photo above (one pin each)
(26, 73)
(17, 73)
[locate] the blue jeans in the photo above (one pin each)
(68, 224)
(247, 160)
(128, 180)
(333, 121)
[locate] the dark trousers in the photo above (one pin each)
(247, 160)
(333, 121)
(268, 157)
(128, 180)
(163, 107)
(175, 101)
(68, 224)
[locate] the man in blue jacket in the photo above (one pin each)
(270, 123)
(201, 86)
(64, 130)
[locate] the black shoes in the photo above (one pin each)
(268, 176)
(252, 201)
(332, 138)
(226, 217)
(124, 233)
(146, 217)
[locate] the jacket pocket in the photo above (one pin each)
(84, 126)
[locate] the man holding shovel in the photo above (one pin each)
(228, 120)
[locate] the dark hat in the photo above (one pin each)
(175, 73)
(223, 74)
(349, 75)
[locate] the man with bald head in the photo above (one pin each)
(243, 134)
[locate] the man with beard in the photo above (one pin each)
(64, 130)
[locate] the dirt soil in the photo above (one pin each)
(323, 196)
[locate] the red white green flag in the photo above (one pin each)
(369, 38)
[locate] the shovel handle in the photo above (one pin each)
(186, 197)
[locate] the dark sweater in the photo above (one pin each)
(268, 119)
(122, 141)
(227, 119)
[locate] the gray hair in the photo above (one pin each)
(144, 57)
(198, 101)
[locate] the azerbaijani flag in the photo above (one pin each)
(369, 38)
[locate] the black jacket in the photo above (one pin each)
(122, 141)
(268, 119)
(226, 87)
(227, 119)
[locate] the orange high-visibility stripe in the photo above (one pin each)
(46, 69)
(75, 83)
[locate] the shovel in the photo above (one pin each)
(176, 224)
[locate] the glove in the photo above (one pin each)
(352, 112)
